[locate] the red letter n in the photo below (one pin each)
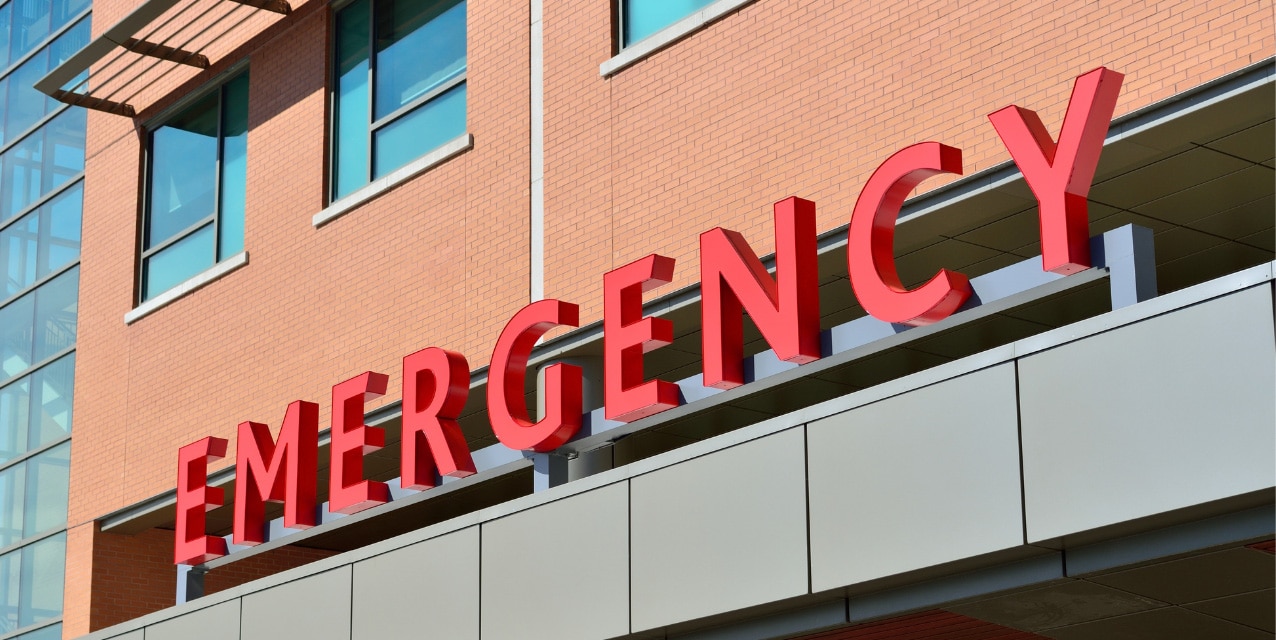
(786, 310)
(289, 477)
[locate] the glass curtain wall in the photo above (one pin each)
(41, 203)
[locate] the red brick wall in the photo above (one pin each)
(783, 97)
(131, 576)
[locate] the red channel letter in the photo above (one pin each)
(290, 477)
(1060, 174)
(348, 491)
(507, 377)
(786, 310)
(627, 335)
(870, 252)
(194, 499)
(436, 383)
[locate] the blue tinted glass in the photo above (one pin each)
(52, 389)
(19, 254)
(183, 171)
(21, 175)
(645, 17)
(419, 131)
(51, 632)
(43, 566)
(31, 25)
(15, 402)
(4, 93)
(42, 161)
(10, 583)
(56, 312)
(46, 490)
(25, 105)
(15, 336)
(234, 167)
(68, 44)
(420, 45)
(64, 146)
(178, 262)
(60, 230)
(5, 17)
(43, 241)
(12, 491)
(350, 138)
(64, 10)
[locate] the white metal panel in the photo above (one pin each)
(1167, 413)
(720, 532)
(559, 570)
(433, 584)
(218, 622)
(315, 607)
(919, 479)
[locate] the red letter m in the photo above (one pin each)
(289, 477)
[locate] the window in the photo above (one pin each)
(196, 181)
(21, 105)
(31, 583)
(641, 18)
(39, 325)
(48, 158)
(44, 241)
(400, 85)
(31, 22)
(35, 411)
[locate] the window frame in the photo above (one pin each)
(374, 125)
(618, 18)
(216, 85)
(627, 55)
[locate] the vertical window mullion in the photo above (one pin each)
(148, 203)
(372, 85)
(220, 164)
(43, 237)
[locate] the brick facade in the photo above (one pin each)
(783, 97)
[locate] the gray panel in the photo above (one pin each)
(314, 607)
(132, 635)
(1204, 577)
(1167, 623)
(1058, 605)
(1256, 609)
(431, 585)
(1167, 413)
(560, 570)
(920, 479)
(218, 622)
(720, 532)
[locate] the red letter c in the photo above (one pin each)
(870, 251)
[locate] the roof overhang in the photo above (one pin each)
(146, 46)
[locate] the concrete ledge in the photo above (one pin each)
(669, 35)
(164, 299)
(453, 147)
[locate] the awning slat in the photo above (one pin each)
(89, 102)
(197, 60)
(277, 6)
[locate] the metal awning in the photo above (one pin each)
(154, 40)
